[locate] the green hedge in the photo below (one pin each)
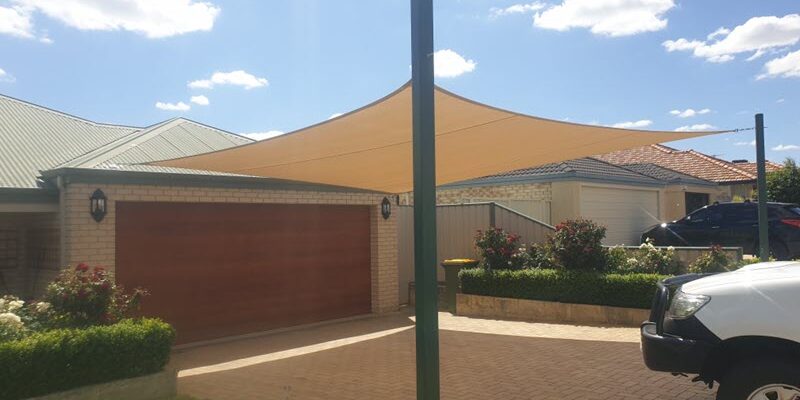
(582, 287)
(63, 359)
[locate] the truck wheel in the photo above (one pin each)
(764, 379)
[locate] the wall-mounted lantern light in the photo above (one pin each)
(386, 208)
(97, 205)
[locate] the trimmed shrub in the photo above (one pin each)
(63, 359)
(582, 287)
(576, 245)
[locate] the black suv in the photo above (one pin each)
(735, 225)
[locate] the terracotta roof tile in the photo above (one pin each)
(688, 162)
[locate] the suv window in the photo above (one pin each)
(698, 216)
(741, 213)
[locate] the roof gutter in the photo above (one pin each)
(115, 177)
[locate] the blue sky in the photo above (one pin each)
(267, 66)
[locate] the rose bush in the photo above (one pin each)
(499, 249)
(648, 259)
(713, 261)
(86, 296)
(577, 245)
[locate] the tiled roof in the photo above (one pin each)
(750, 167)
(688, 162)
(666, 174)
(582, 167)
(34, 139)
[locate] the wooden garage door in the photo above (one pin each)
(215, 269)
(625, 213)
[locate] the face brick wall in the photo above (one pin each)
(521, 191)
(84, 240)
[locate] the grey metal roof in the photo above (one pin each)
(35, 139)
(667, 175)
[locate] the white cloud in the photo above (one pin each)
(199, 100)
(786, 147)
(5, 76)
(750, 143)
(179, 106)
(235, 78)
(263, 135)
(517, 9)
(334, 115)
(781, 100)
(606, 17)
(633, 124)
(760, 35)
(787, 66)
(689, 112)
(152, 18)
(721, 31)
(16, 21)
(449, 64)
(696, 127)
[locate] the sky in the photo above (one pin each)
(261, 68)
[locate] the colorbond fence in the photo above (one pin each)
(456, 226)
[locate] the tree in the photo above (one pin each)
(783, 185)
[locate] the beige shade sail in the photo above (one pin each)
(371, 147)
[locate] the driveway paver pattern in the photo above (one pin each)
(373, 358)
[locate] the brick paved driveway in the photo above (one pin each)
(481, 359)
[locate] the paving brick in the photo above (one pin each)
(480, 359)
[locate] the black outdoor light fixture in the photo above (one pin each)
(386, 208)
(97, 205)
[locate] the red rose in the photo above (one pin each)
(82, 267)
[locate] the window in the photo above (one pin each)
(742, 213)
(694, 201)
(698, 216)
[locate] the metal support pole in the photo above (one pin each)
(425, 262)
(763, 233)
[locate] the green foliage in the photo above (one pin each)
(62, 359)
(582, 287)
(713, 261)
(783, 185)
(88, 296)
(648, 259)
(540, 255)
(498, 249)
(576, 245)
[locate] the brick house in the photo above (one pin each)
(625, 199)
(221, 254)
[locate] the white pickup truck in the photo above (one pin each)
(740, 329)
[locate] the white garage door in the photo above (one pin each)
(626, 213)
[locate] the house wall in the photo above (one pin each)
(84, 240)
(532, 199)
(742, 191)
(675, 198)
